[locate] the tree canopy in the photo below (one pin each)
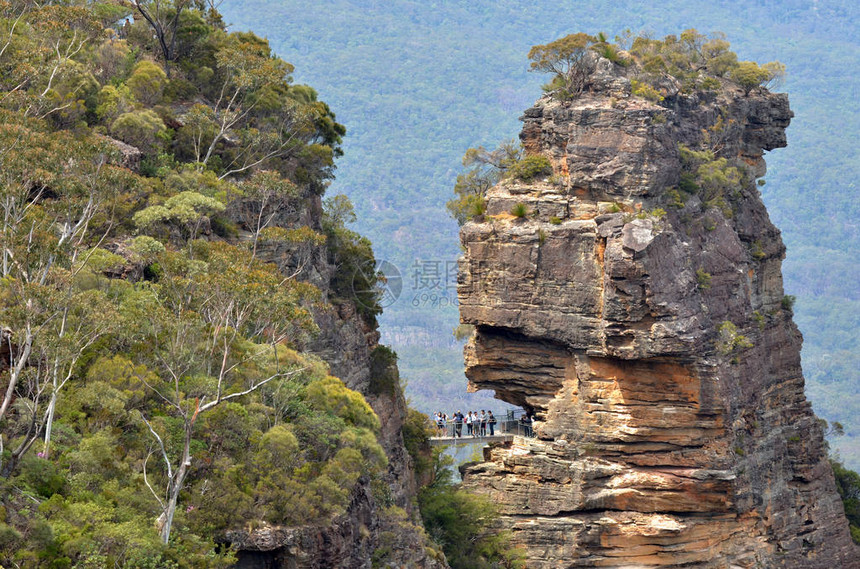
(156, 387)
(569, 58)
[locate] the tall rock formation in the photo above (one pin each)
(638, 311)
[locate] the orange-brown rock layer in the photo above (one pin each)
(653, 348)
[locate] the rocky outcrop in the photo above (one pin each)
(381, 527)
(638, 312)
(128, 156)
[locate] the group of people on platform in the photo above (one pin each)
(476, 424)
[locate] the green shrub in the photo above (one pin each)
(356, 278)
(467, 207)
(788, 302)
(417, 431)
(158, 165)
(708, 84)
(555, 220)
(676, 200)
(519, 210)
(144, 248)
(147, 82)
(848, 486)
(749, 74)
(113, 101)
(688, 183)
(462, 523)
(42, 476)
(153, 272)
(179, 89)
(610, 52)
(184, 211)
(223, 227)
(757, 251)
(530, 167)
(703, 279)
(331, 396)
(646, 91)
(9, 537)
(74, 94)
(102, 261)
(140, 129)
(730, 341)
(717, 178)
(657, 212)
(113, 60)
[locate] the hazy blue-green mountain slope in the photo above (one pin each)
(417, 83)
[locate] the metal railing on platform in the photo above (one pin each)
(514, 422)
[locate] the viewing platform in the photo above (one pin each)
(468, 439)
(513, 423)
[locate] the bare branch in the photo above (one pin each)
(251, 389)
(161, 446)
(148, 485)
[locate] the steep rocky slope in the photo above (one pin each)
(638, 311)
(371, 532)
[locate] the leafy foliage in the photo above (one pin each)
(356, 278)
(519, 210)
(569, 59)
(749, 75)
(462, 523)
(530, 167)
(730, 341)
(848, 485)
(154, 392)
(417, 430)
(147, 82)
(485, 170)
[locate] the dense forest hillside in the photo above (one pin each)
(417, 83)
(176, 299)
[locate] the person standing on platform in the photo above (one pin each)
(526, 422)
(458, 424)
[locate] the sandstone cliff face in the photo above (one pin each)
(370, 533)
(655, 350)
